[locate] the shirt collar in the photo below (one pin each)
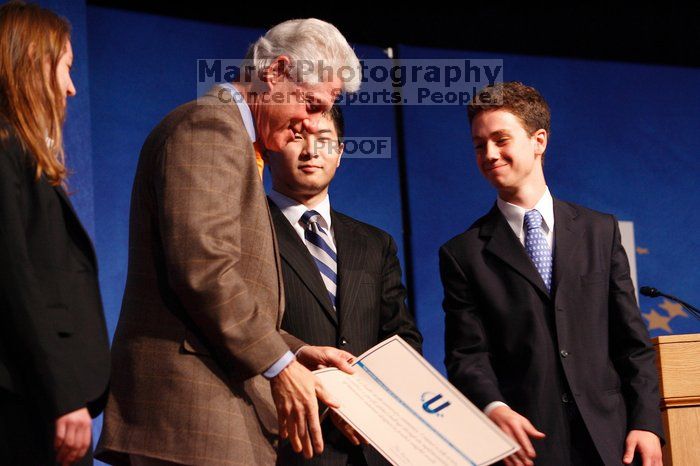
(293, 210)
(243, 107)
(515, 214)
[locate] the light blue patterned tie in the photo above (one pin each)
(537, 247)
(322, 250)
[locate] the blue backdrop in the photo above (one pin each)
(624, 140)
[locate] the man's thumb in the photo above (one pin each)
(629, 451)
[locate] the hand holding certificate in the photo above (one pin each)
(410, 413)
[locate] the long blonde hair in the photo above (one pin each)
(31, 38)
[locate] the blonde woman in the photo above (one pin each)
(54, 354)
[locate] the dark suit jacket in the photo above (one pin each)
(201, 314)
(54, 348)
(507, 339)
(371, 305)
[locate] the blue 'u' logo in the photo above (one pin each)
(429, 406)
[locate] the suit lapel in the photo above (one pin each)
(297, 255)
(76, 221)
(506, 246)
(566, 235)
(352, 248)
(278, 265)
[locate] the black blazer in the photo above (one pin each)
(371, 304)
(54, 347)
(507, 339)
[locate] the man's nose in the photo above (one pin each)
(309, 149)
(310, 125)
(491, 152)
(305, 147)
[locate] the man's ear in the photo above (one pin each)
(341, 149)
(540, 138)
(278, 71)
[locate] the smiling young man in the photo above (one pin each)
(543, 331)
(342, 277)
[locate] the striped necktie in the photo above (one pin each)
(321, 247)
(537, 247)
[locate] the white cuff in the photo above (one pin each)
(493, 405)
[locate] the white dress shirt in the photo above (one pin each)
(246, 114)
(515, 215)
(293, 211)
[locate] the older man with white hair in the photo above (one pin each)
(199, 362)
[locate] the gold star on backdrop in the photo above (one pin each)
(673, 309)
(642, 250)
(657, 321)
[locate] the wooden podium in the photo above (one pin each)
(678, 361)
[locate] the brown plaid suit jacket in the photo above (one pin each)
(203, 303)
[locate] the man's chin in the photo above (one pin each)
(311, 189)
(499, 184)
(498, 179)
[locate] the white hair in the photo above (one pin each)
(315, 49)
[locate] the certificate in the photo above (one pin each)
(410, 413)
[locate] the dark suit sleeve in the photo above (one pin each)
(24, 308)
(631, 350)
(395, 316)
(466, 346)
